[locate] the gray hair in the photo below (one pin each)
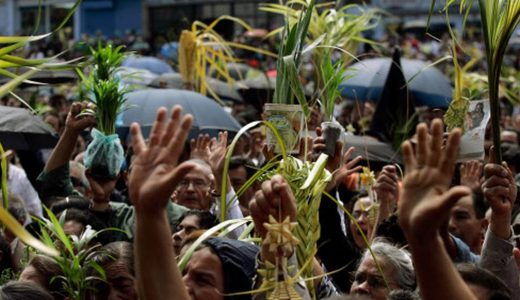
(399, 259)
(17, 208)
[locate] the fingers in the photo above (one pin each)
(318, 144)
(422, 149)
(258, 214)
(492, 155)
(223, 137)
(448, 199)
(272, 200)
(158, 127)
(138, 144)
(495, 170)
(516, 255)
(178, 173)
(287, 200)
(410, 162)
(436, 143)
(348, 153)
(318, 131)
(176, 144)
(172, 126)
(449, 155)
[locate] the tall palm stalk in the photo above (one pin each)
(10, 44)
(499, 20)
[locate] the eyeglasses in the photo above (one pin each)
(197, 184)
(358, 213)
(372, 280)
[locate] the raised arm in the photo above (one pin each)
(74, 125)
(500, 190)
(155, 172)
(425, 206)
(387, 191)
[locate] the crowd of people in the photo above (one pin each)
(433, 228)
(443, 231)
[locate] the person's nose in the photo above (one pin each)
(187, 283)
(362, 288)
(190, 187)
(179, 235)
(452, 227)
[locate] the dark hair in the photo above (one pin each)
(403, 295)
(114, 258)
(16, 290)
(56, 101)
(206, 219)
(49, 271)
(120, 253)
(7, 261)
(240, 161)
(480, 204)
(511, 155)
(61, 204)
(473, 274)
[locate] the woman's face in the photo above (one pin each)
(361, 213)
(204, 276)
(368, 281)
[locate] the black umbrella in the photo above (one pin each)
(22, 130)
(373, 150)
(393, 120)
(225, 91)
(237, 71)
(45, 77)
(208, 116)
(366, 79)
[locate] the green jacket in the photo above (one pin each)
(57, 183)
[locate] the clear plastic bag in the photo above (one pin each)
(104, 155)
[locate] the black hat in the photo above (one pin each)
(238, 263)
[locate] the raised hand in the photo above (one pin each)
(426, 199)
(276, 199)
(387, 186)
(200, 147)
(318, 147)
(424, 207)
(76, 122)
(499, 188)
(155, 169)
(217, 157)
(348, 168)
(470, 173)
(340, 172)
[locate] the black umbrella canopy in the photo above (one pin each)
(373, 150)
(224, 90)
(45, 77)
(20, 129)
(393, 118)
(366, 80)
(208, 116)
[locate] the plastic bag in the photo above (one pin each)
(104, 155)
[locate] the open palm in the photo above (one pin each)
(426, 198)
(155, 170)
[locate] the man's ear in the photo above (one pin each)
(212, 181)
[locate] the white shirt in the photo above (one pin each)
(19, 184)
